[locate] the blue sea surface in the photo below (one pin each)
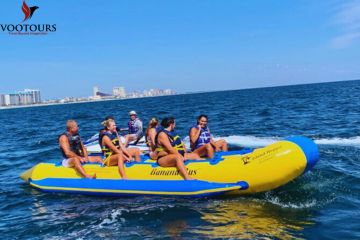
(323, 203)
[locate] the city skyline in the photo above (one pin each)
(182, 45)
(28, 97)
(22, 97)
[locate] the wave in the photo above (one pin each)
(253, 141)
(353, 141)
(296, 205)
(249, 141)
(114, 217)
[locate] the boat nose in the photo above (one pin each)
(27, 174)
(309, 148)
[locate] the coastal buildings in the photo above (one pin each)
(97, 95)
(24, 97)
(28, 97)
(95, 91)
(119, 92)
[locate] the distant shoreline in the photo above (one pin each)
(186, 93)
(79, 102)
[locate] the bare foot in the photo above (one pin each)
(91, 177)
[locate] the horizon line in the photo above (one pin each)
(184, 93)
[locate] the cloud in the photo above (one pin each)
(347, 19)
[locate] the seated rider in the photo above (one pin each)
(134, 152)
(150, 137)
(73, 150)
(135, 129)
(201, 141)
(114, 151)
(171, 151)
(104, 129)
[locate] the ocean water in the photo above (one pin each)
(323, 203)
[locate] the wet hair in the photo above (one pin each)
(201, 116)
(107, 123)
(70, 123)
(153, 122)
(167, 121)
(109, 117)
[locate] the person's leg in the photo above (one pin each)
(134, 153)
(201, 151)
(153, 155)
(175, 160)
(118, 160)
(96, 159)
(121, 166)
(129, 138)
(192, 156)
(76, 163)
(126, 139)
(222, 145)
(205, 150)
(210, 150)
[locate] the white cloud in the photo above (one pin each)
(347, 18)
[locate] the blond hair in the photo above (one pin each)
(152, 123)
(106, 123)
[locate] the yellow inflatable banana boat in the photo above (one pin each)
(233, 172)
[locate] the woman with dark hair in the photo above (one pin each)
(171, 151)
(201, 141)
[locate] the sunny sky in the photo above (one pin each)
(197, 45)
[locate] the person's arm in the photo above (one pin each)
(65, 146)
(107, 142)
(194, 134)
(184, 146)
(126, 154)
(164, 141)
(152, 135)
(140, 128)
(86, 156)
(125, 151)
(212, 142)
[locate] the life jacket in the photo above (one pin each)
(113, 138)
(74, 142)
(132, 127)
(204, 138)
(174, 139)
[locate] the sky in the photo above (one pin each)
(184, 45)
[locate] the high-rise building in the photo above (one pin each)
(119, 92)
(7, 99)
(14, 99)
(29, 96)
(36, 95)
(2, 100)
(95, 91)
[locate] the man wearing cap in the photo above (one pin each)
(135, 129)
